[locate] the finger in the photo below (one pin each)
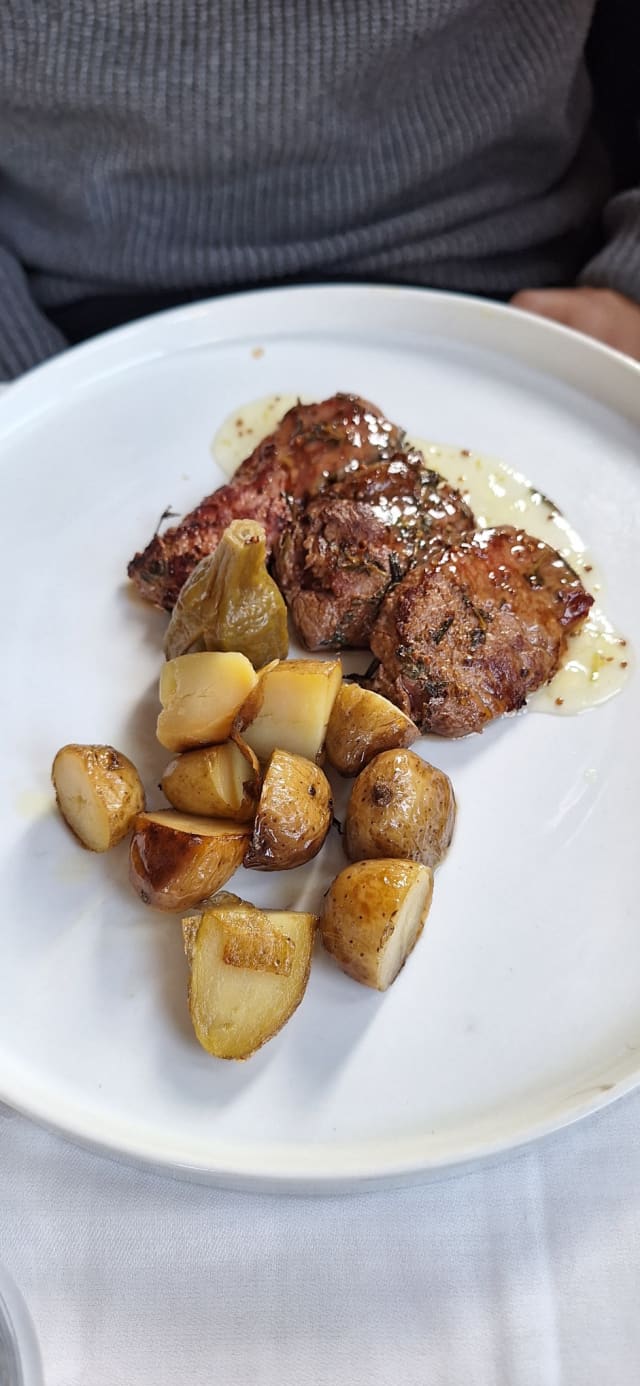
(561, 305)
(600, 313)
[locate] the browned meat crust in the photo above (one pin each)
(343, 549)
(470, 632)
(311, 443)
(314, 441)
(333, 566)
(416, 504)
(163, 567)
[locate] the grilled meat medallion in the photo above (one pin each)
(310, 444)
(346, 546)
(470, 632)
(333, 566)
(416, 504)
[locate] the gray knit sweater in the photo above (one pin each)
(168, 144)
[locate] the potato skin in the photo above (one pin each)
(361, 910)
(114, 793)
(223, 781)
(175, 867)
(400, 807)
(361, 725)
(294, 814)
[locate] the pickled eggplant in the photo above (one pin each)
(230, 602)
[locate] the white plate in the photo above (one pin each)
(520, 1009)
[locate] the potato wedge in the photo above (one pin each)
(223, 781)
(297, 698)
(361, 725)
(373, 916)
(177, 860)
(400, 807)
(201, 695)
(98, 792)
(248, 973)
(294, 814)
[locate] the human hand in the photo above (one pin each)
(599, 313)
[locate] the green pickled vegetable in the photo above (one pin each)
(230, 602)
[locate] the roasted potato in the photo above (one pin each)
(201, 696)
(361, 725)
(223, 781)
(99, 793)
(400, 807)
(177, 861)
(296, 701)
(294, 814)
(373, 916)
(230, 602)
(248, 973)
(252, 704)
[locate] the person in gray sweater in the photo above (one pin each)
(155, 151)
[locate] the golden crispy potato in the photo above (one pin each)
(361, 725)
(296, 701)
(99, 793)
(177, 860)
(400, 807)
(230, 601)
(223, 781)
(201, 696)
(373, 916)
(248, 973)
(294, 814)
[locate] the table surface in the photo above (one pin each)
(522, 1274)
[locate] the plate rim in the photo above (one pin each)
(559, 352)
(321, 1178)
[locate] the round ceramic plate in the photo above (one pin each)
(520, 1009)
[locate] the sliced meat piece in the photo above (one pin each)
(163, 567)
(314, 441)
(311, 442)
(345, 547)
(469, 633)
(333, 565)
(416, 503)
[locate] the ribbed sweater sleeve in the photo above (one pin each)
(26, 335)
(205, 145)
(617, 265)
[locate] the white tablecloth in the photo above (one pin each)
(524, 1274)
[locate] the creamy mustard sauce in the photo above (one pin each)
(242, 430)
(598, 660)
(595, 667)
(500, 496)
